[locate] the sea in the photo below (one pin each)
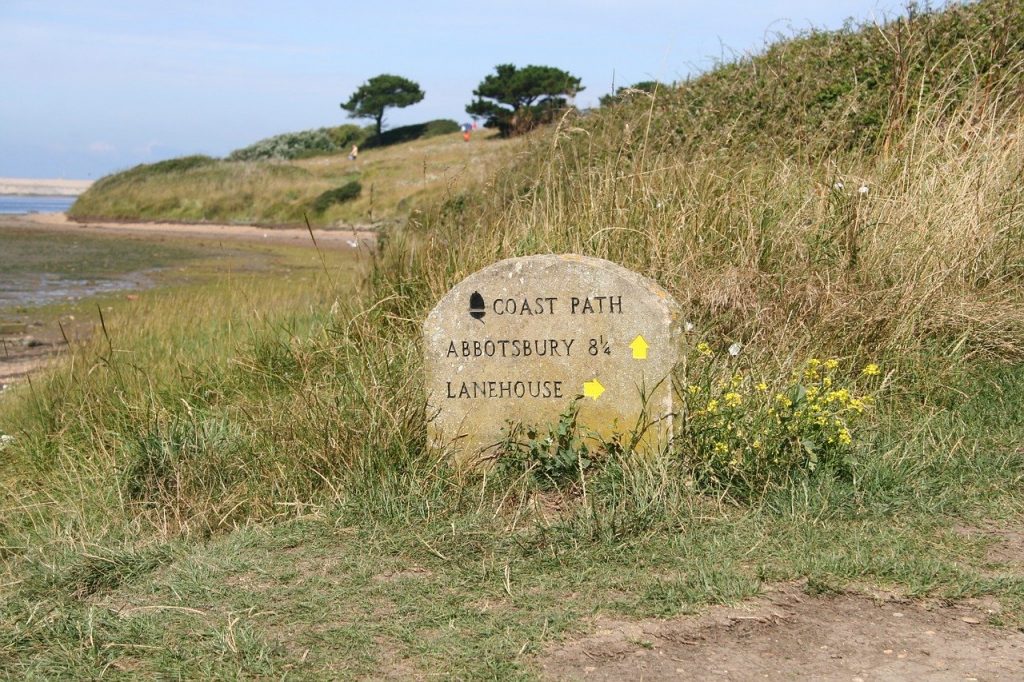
(14, 204)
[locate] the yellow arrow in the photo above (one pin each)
(593, 389)
(639, 347)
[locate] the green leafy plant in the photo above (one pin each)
(555, 457)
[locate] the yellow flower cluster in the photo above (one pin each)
(739, 429)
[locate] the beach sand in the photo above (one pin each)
(355, 237)
(43, 187)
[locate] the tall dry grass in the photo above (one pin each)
(784, 254)
(857, 252)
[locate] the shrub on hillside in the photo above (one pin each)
(337, 140)
(417, 131)
(303, 144)
(177, 165)
(339, 195)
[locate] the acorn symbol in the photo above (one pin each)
(476, 306)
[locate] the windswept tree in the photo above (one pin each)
(515, 100)
(379, 93)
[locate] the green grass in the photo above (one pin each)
(252, 493)
(418, 573)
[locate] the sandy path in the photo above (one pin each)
(351, 238)
(790, 635)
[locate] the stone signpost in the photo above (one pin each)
(521, 339)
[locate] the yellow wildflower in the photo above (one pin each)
(762, 387)
(831, 364)
(693, 389)
(871, 370)
(842, 396)
(704, 349)
(733, 399)
(721, 448)
(844, 436)
(712, 406)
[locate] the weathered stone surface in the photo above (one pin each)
(521, 339)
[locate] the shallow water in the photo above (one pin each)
(13, 204)
(44, 288)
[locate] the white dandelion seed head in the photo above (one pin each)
(735, 349)
(838, 185)
(688, 326)
(863, 189)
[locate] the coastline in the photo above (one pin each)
(52, 187)
(355, 237)
(28, 345)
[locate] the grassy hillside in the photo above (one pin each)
(267, 505)
(394, 177)
(857, 88)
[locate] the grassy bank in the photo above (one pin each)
(393, 179)
(253, 495)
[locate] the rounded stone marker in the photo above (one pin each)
(521, 339)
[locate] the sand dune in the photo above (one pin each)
(39, 186)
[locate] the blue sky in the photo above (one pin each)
(92, 87)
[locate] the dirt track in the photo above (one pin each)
(789, 635)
